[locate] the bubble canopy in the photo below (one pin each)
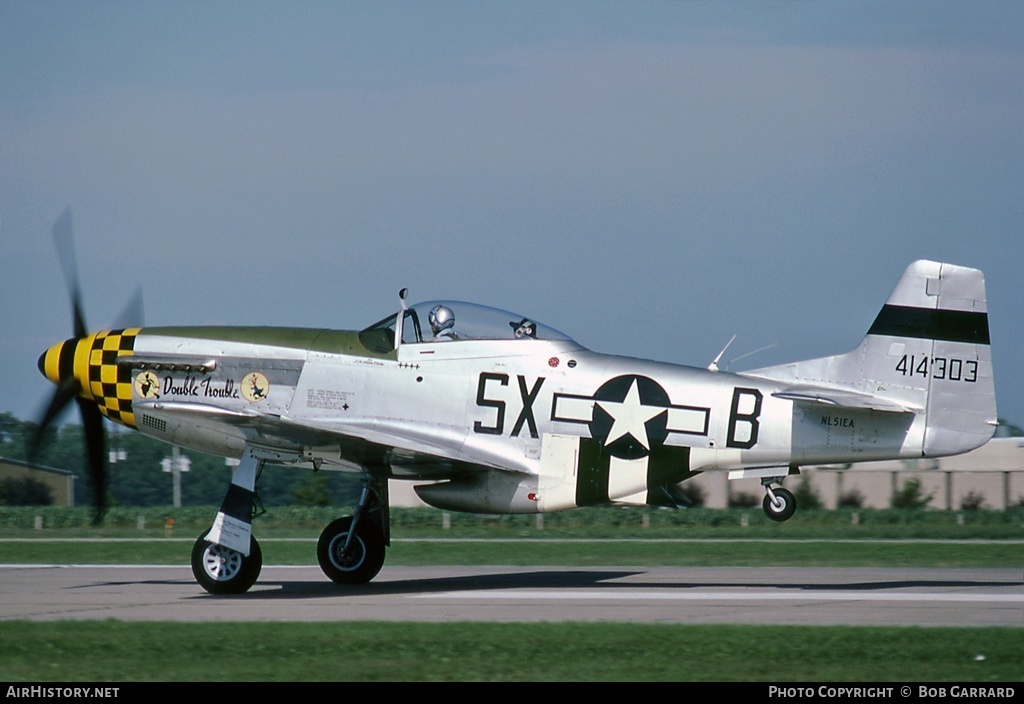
(472, 322)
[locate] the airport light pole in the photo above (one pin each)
(176, 464)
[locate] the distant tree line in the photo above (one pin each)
(136, 476)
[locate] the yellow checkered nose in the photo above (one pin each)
(92, 362)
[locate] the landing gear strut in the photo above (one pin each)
(351, 549)
(220, 561)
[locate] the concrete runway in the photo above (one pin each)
(809, 596)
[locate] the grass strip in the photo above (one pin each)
(111, 651)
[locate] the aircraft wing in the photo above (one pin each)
(426, 453)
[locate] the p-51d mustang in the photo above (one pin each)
(505, 415)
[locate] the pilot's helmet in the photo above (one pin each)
(441, 318)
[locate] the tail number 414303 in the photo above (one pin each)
(947, 368)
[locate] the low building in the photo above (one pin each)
(990, 477)
(60, 483)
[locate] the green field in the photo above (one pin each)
(112, 651)
(585, 537)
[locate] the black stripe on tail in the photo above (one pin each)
(931, 324)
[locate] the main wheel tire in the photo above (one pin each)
(221, 570)
(784, 506)
(364, 559)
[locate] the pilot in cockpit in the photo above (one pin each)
(442, 323)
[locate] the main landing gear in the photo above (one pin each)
(221, 570)
(227, 559)
(351, 549)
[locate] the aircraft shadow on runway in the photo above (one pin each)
(569, 580)
(512, 580)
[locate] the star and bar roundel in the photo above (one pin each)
(631, 415)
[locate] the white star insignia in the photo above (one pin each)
(630, 417)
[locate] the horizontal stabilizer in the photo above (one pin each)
(843, 398)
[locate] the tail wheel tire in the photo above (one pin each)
(361, 562)
(784, 506)
(221, 570)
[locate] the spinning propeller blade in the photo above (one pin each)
(65, 244)
(68, 386)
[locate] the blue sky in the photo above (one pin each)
(649, 177)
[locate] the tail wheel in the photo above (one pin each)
(221, 570)
(364, 557)
(782, 507)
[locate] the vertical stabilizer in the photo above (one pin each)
(944, 307)
(928, 351)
